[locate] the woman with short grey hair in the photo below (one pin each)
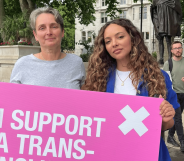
(50, 10)
(50, 67)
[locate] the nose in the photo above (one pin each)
(114, 42)
(49, 31)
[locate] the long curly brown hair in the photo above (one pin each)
(143, 66)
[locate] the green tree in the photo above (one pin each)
(1, 12)
(11, 7)
(16, 27)
(182, 7)
(1, 17)
(89, 49)
(68, 41)
(81, 9)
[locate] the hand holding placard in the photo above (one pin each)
(167, 112)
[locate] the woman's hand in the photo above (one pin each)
(167, 112)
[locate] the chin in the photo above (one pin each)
(178, 56)
(51, 44)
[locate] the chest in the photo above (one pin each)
(178, 68)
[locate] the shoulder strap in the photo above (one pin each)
(170, 64)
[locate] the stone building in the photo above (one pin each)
(130, 10)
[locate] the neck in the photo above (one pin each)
(123, 65)
(51, 53)
(177, 58)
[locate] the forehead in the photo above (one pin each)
(45, 18)
(113, 29)
(176, 45)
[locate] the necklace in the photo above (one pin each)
(48, 60)
(123, 82)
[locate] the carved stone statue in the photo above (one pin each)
(167, 17)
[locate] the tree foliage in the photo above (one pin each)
(89, 49)
(1, 11)
(15, 27)
(12, 7)
(112, 9)
(182, 7)
(82, 9)
(68, 41)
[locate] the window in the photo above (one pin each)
(133, 13)
(90, 36)
(144, 13)
(123, 14)
(139, 12)
(83, 36)
(147, 35)
(123, 1)
(103, 17)
(103, 3)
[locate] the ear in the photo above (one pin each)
(34, 33)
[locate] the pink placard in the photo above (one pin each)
(53, 124)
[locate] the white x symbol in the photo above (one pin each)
(133, 120)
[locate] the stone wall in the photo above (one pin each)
(9, 55)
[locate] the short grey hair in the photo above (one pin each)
(38, 11)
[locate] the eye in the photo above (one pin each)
(41, 28)
(107, 42)
(54, 26)
(120, 37)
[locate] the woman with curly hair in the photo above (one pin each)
(121, 63)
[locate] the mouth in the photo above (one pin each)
(178, 53)
(117, 51)
(50, 39)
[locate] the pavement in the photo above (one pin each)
(175, 153)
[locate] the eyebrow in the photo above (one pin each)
(50, 24)
(115, 35)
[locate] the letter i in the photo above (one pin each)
(1, 117)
